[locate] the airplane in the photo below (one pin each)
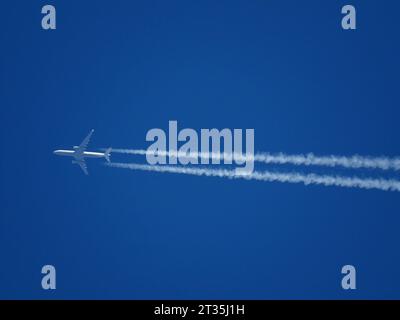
(79, 153)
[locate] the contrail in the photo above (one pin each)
(353, 162)
(307, 179)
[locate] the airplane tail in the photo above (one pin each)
(107, 154)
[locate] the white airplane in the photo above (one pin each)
(80, 153)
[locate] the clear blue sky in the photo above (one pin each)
(284, 68)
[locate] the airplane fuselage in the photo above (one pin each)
(86, 154)
(79, 153)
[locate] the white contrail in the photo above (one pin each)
(307, 179)
(353, 162)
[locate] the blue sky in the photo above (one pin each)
(284, 68)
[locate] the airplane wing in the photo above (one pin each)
(83, 166)
(82, 147)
